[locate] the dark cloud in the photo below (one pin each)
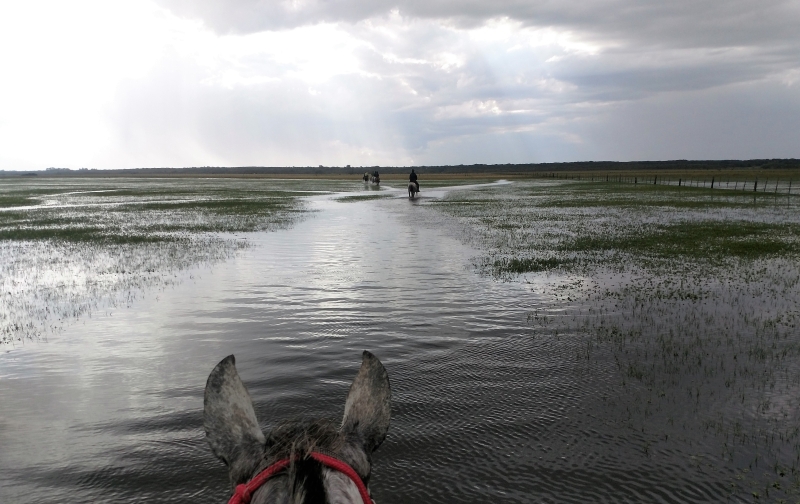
(675, 23)
(744, 121)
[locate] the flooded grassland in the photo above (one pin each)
(71, 247)
(620, 342)
(692, 295)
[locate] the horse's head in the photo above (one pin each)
(234, 435)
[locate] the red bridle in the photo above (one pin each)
(244, 492)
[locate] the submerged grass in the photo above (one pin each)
(69, 247)
(615, 195)
(536, 226)
(689, 296)
(706, 240)
(528, 264)
(363, 197)
(78, 234)
(120, 211)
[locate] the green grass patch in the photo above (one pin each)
(698, 240)
(143, 211)
(86, 235)
(12, 200)
(612, 224)
(362, 197)
(13, 197)
(613, 195)
(220, 207)
(517, 265)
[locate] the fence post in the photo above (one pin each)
(712, 182)
(755, 186)
(790, 186)
(679, 182)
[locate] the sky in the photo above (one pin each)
(154, 83)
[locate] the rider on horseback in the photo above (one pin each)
(413, 178)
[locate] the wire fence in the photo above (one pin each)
(765, 185)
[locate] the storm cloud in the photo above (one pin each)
(249, 82)
(676, 23)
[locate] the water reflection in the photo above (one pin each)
(484, 410)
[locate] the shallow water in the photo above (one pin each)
(484, 408)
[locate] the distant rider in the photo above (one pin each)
(413, 178)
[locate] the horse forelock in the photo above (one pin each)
(306, 481)
(301, 437)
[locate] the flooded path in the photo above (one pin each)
(483, 410)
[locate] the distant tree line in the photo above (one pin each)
(582, 166)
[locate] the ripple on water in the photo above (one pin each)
(484, 408)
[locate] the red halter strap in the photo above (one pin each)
(244, 492)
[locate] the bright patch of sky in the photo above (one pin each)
(92, 83)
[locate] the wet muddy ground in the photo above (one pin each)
(547, 341)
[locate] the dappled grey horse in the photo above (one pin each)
(413, 189)
(300, 461)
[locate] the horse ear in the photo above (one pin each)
(230, 422)
(368, 407)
